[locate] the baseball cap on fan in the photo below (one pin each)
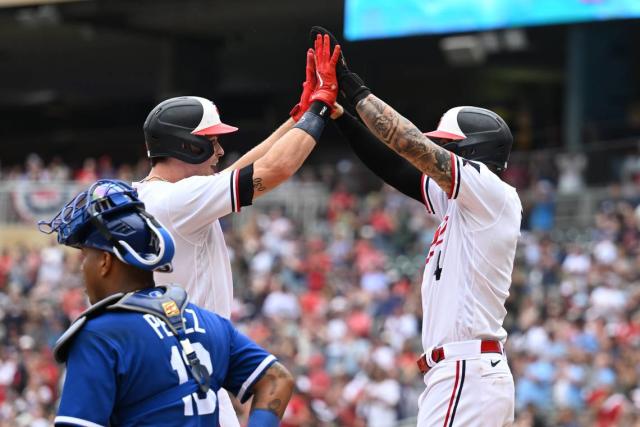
(178, 127)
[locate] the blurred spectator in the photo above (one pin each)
(542, 213)
(339, 304)
(88, 173)
(104, 168)
(571, 167)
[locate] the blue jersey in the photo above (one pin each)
(126, 368)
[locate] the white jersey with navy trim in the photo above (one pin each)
(190, 209)
(468, 267)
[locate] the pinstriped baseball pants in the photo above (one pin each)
(474, 392)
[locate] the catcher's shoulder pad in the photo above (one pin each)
(166, 302)
(61, 348)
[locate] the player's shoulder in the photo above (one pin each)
(476, 170)
(195, 180)
(186, 187)
(151, 192)
(114, 324)
(107, 331)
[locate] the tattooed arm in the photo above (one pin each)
(273, 391)
(282, 160)
(406, 139)
(388, 165)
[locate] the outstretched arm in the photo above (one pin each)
(281, 161)
(288, 153)
(261, 149)
(395, 131)
(405, 138)
(387, 165)
(300, 108)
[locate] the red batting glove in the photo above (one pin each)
(327, 90)
(308, 87)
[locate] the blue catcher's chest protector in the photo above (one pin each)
(130, 361)
(165, 302)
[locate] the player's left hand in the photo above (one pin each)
(327, 90)
(351, 85)
(308, 87)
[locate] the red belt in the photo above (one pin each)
(437, 354)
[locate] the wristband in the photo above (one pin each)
(263, 418)
(320, 108)
(313, 121)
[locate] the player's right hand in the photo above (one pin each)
(327, 90)
(308, 87)
(341, 66)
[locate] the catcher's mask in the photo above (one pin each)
(178, 127)
(475, 134)
(110, 217)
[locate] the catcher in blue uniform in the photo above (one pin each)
(142, 355)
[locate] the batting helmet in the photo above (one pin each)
(178, 127)
(110, 217)
(476, 134)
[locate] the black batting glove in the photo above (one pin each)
(351, 86)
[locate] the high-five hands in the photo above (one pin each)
(327, 87)
(308, 87)
(351, 85)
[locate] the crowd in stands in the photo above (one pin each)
(35, 169)
(339, 303)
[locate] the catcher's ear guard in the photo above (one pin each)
(160, 261)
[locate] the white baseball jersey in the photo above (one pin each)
(468, 268)
(190, 209)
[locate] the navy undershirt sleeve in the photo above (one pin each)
(381, 160)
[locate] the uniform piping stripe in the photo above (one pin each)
(268, 361)
(75, 421)
(236, 186)
(232, 189)
(233, 199)
(453, 414)
(426, 189)
(425, 195)
(458, 177)
(454, 174)
(453, 393)
(423, 191)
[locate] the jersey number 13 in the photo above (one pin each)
(206, 405)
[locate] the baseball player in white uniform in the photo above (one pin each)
(468, 268)
(184, 191)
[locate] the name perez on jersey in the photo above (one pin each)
(160, 328)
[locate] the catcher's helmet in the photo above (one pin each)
(176, 128)
(110, 217)
(476, 134)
